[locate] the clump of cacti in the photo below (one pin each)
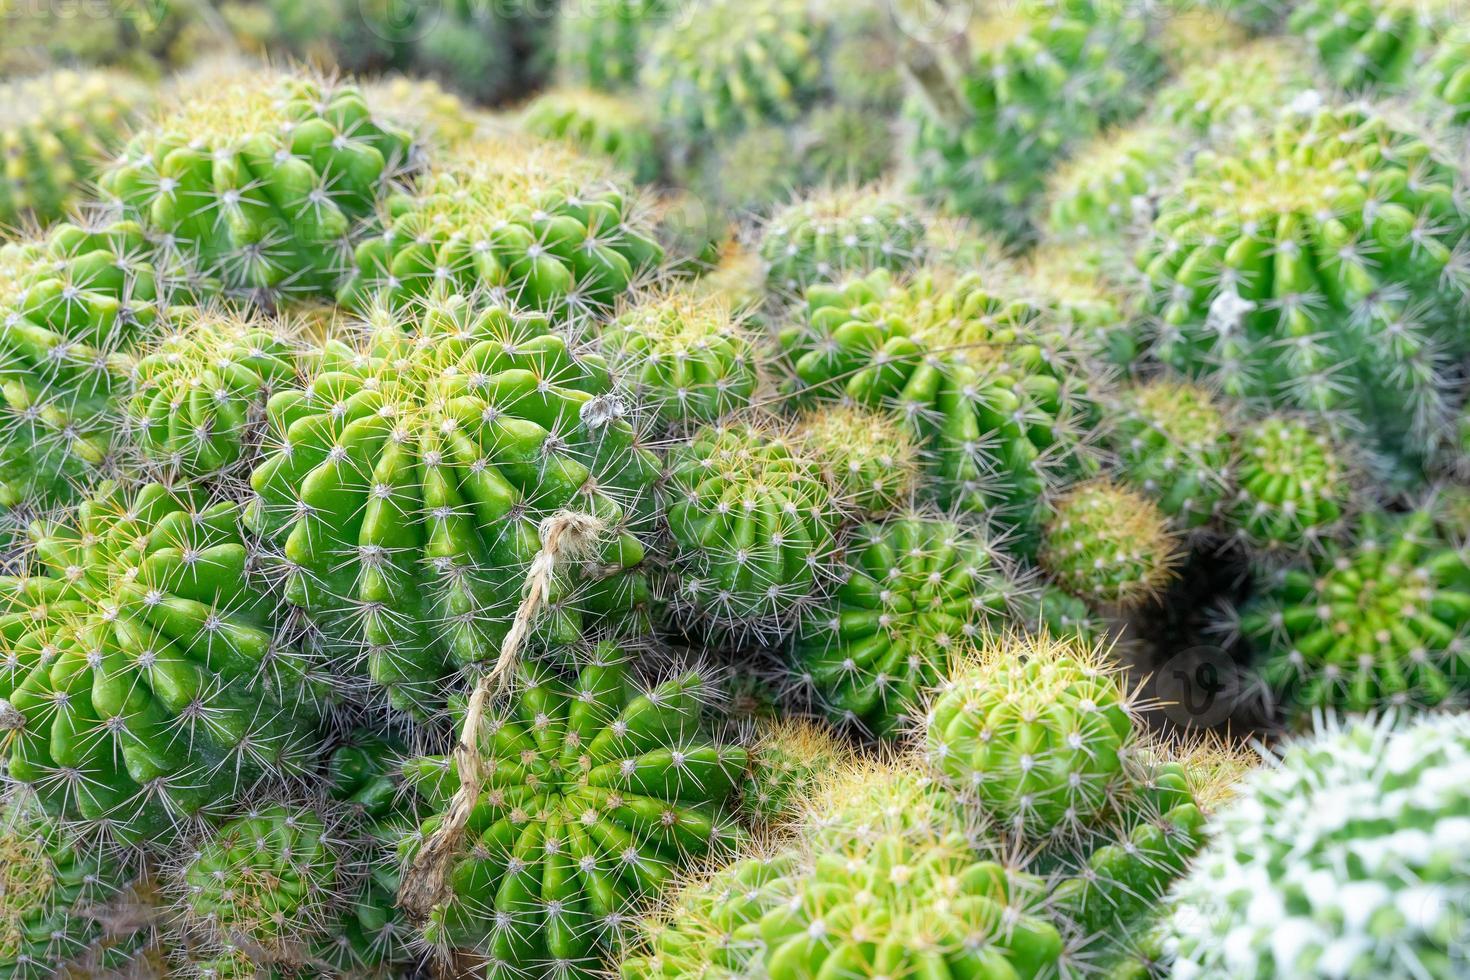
(616, 128)
(405, 481)
(1316, 268)
(916, 593)
(1375, 624)
(148, 676)
(1293, 486)
(261, 179)
(56, 131)
(1109, 545)
(1110, 187)
(532, 223)
(839, 233)
(869, 457)
(1173, 442)
(601, 788)
(1341, 858)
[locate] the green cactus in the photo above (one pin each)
(917, 593)
(996, 390)
(1028, 85)
(1109, 545)
(599, 45)
(838, 233)
(1374, 625)
(1315, 268)
(54, 892)
(55, 132)
(1345, 858)
(1109, 188)
(199, 394)
(437, 118)
(1083, 283)
(787, 760)
(405, 481)
(73, 305)
(1238, 90)
(1035, 731)
(600, 790)
(869, 457)
(1173, 443)
(1293, 486)
(612, 127)
(1372, 43)
(726, 65)
(753, 523)
(1446, 76)
(529, 221)
(263, 179)
(141, 659)
(685, 356)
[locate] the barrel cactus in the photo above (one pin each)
(1110, 187)
(1367, 43)
(436, 117)
(1109, 545)
(1241, 88)
(917, 593)
(869, 457)
(405, 480)
(1293, 486)
(529, 221)
(1344, 858)
(1316, 268)
(262, 179)
(788, 758)
(612, 127)
(149, 681)
(1376, 624)
(55, 133)
(1173, 443)
(754, 525)
(601, 789)
(838, 233)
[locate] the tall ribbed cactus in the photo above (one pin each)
(406, 479)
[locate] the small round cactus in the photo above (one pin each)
(1344, 858)
(870, 458)
(839, 233)
(1173, 443)
(1377, 624)
(787, 760)
(754, 524)
(1037, 731)
(1293, 486)
(917, 593)
(142, 659)
(1110, 187)
(1373, 43)
(600, 790)
(199, 394)
(1238, 89)
(531, 222)
(1109, 545)
(261, 179)
(55, 131)
(685, 356)
(608, 126)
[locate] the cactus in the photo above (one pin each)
(1293, 486)
(1238, 90)
(917, 593)
(149, 681)
(753, 524)
(1376, 624)
(1082, 282)
(436, 118)
(529, 221)
(685, 356)
(404, 483)
(727, 65)
(869, 457)
(787, 760)
(1109, 545)
(262, 179)
(1316, 269)
(1037, 732)
(1109, 188)
(1446, 76)
(72, 307)
(1031, 84)
(601, 789)
(599, 45)
(844, 145)
(1372, 43)
(838, 233)
(608, 126)
(996, 390)
(199, 394)
(55, 132)
(1344, 858)
(54, 890)
(1173, 443)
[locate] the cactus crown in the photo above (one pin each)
(1293, 486)
(1109, 545)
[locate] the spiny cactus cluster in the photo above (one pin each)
(783, 488)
